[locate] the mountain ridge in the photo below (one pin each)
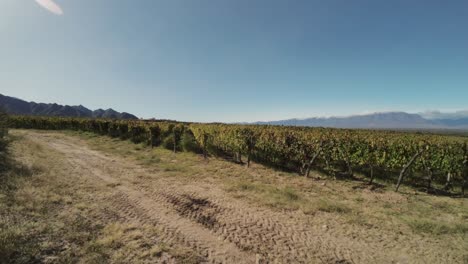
(379, 120)
(18, 106)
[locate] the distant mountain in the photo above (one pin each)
(20, 107)
(388, 120)
(458, 122)
(112, 114)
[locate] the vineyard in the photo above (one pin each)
(418, 159)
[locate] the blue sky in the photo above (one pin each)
(238, 60)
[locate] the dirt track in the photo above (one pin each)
(222, 229)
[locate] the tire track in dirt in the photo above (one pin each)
(220, 229)
(276, 239)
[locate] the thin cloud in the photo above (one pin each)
(51, 6)
(436, 114)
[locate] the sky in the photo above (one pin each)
(237, 60)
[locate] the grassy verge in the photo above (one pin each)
(20, 230)
(40, 222)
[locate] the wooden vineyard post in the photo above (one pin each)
(406, 167)
(371, 174)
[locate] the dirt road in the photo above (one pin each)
(219, 227)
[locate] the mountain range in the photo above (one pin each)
(17, 106)
(386, 120)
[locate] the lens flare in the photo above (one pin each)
(51, 6)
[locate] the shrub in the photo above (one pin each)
(137, 134)
(154, 135)
(114, 129)
(123, 131)
(188, 143)
(168, 143)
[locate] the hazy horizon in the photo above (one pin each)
(427, 114)
(237, 61)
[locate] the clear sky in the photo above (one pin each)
(237, 60)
